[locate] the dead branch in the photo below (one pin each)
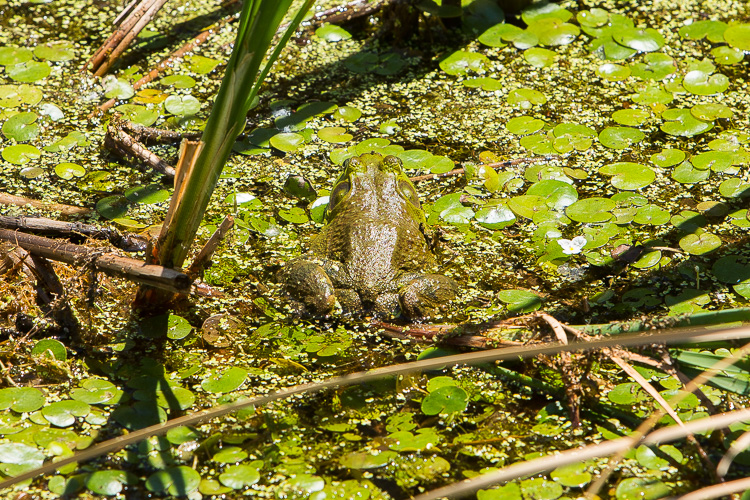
(124, 144)
(137, 19)
(129, 243)
(66, 210)
(135, 270)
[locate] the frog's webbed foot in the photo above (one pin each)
(307, 282)
(424, 295)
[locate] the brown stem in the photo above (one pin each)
(66, 210)
(124, 144)
(204, 256)
(135, 270)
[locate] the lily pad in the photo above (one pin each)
(485, 83)
(21, 399)
(21, 127)
(112, 207)
(182, 105)
(524, 125)
(69, 171)
(631, 117)
(138, 114)
(332, 33)
(651, 94)
(628, 175)
(520, 301)
(613, 72)
(287, 142)
(147, 195)
(727, 55)
(686, 173)
(652, 215)
(29, 71)
(109, 482)
(239, 476)
(96, 391)
(657, 66)
(64, 413)
(50, 348)
(703, 83)
(700, 244)
(525, 98)
(201, 65)
(538, 58)
(461, 62)
(175, 481)
(552, 31)
(178, 81)
(635, 488)
(711, 111)
(335, 135)
(445, 400)
(589, 210)
(499, 35)
(642, 40)
(557, 194)
(20, 154)
(697, 30)
(738, 36)
(682, 123)
(620, 137)
(347, 113)
(226, 381)
(14, 55)
(718, 161)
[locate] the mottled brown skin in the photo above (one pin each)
(372, 254)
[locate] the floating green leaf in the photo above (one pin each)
(68, 171)
(590, 210)
(635, 488)
(239, 476)
(485, 83)
(64, 413)
(29, 71)
(461, 62)
(287, 142)
(700, 244)
(686, 173)
(332, 33)
(613, 72)
(703, 83)
(225, 381)
(21, 399)
(620, 137)
(335, 135)
(628, 175)
(681, 122)
(642, 40)
(178, 81)
(50, 348)
(20, 154)
(631, 117)
(713, 30)
(182, 105)
(21, 127)
(201, 65)
(176, 481)
(96, 391)
(112, 207)
(657, 66)
(520, 301)
(445, 400)
(10, 56)
(347, 113)
(738, 36)
(553, 31)
(525, 98)
(711, 111)
(109, 482)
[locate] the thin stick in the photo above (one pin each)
(67, 210)
(135, 270)
(125, 145)
(204, 256)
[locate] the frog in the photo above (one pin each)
(373, 254)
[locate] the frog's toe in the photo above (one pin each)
(426, 294)
(307, 282)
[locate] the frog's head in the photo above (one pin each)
(377, 186)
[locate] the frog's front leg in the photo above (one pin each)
(307, 282)
(425, 294)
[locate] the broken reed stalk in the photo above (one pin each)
(125, 145)
(203, 258)
(120, 40)
(135, 270)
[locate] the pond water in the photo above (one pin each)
(626, 199)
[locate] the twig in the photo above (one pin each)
(135, 270)
(124, 144)
(169, 61)
(158, 135)
(67, 210)
(119, 41)
(204, 256)
(129, 243)
(500, 164)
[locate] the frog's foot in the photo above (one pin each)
(307, 282)
(426, 294)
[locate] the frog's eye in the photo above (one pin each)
(407, 190)
(338, 194)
